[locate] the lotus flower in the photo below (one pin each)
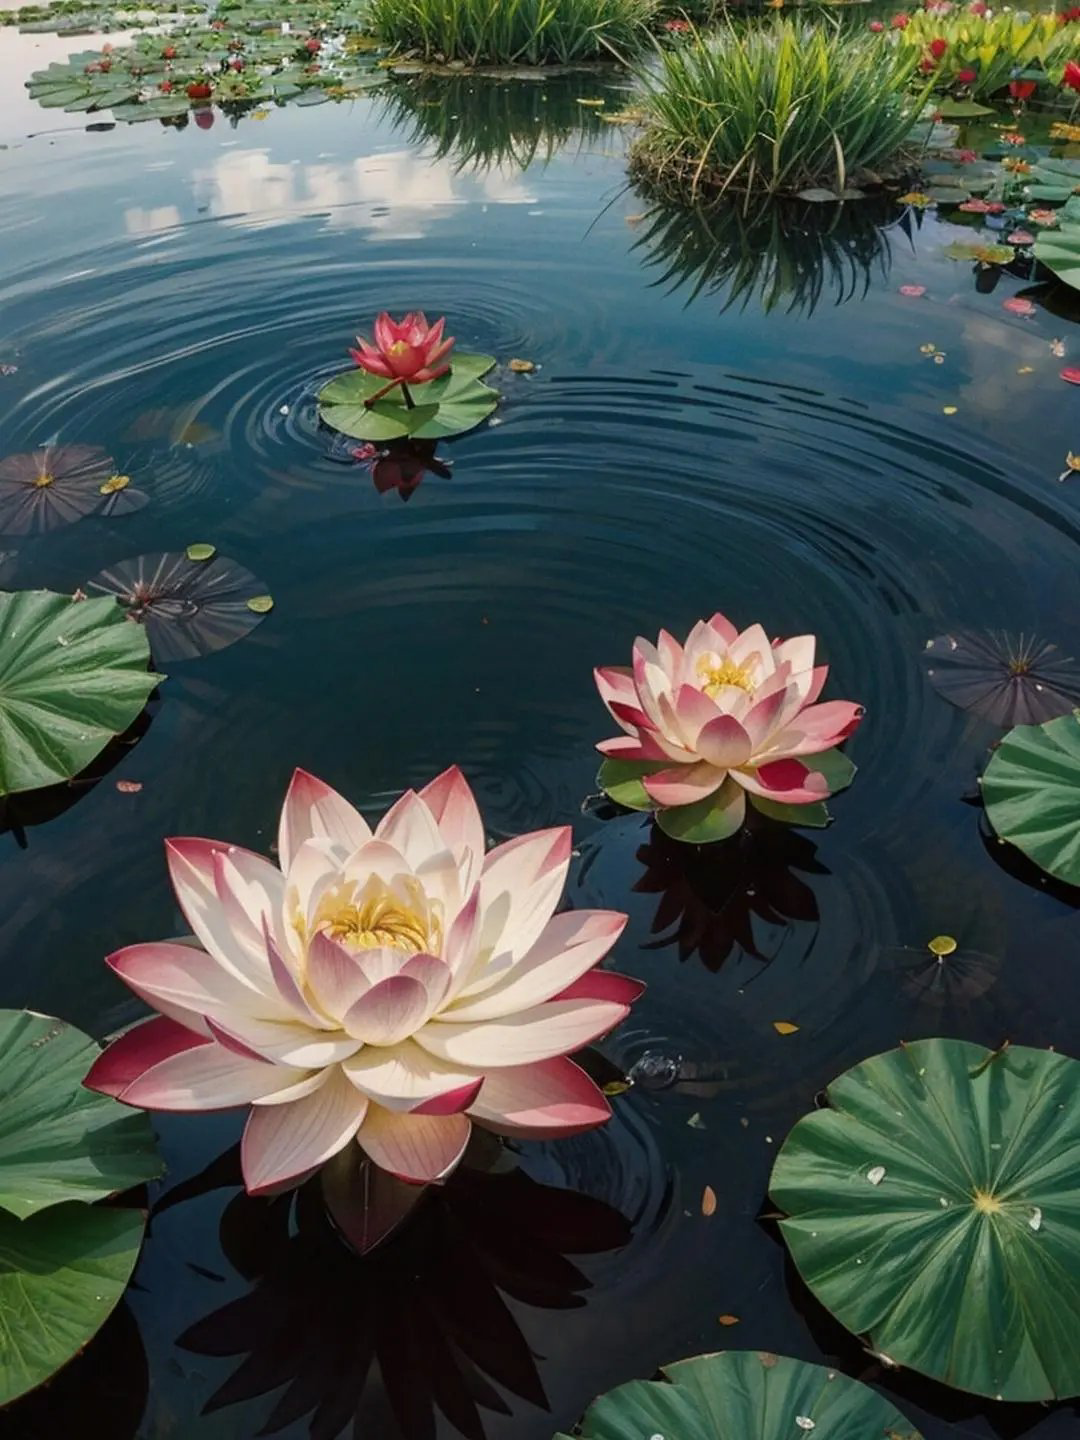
(726, 715)
(1022, 89)
(1071, 76)
(409, 350)
(388, 988)
(938, 46)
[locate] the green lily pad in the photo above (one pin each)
(64, 1271)
(741, 1394)
(717, 817)
(451, 405)
(1059, 250)
(1031, 790)
(621, 780)
(58, 1141)
(934, 1206)
(73, 675)
(988, 254)
(949, 109)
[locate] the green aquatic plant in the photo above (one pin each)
(73, 675)
(741, 1393)
(933, 1205)
(774, 108)
(67, 1260)
(364, 406)
(513, 32)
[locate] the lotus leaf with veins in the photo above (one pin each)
(388, 988)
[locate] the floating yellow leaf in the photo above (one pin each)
(201, 552)
(261, 604)
(522, 367)
(115, 483)
(727, 1319)
(942, 945)
(784, 1027)
(917, 198)
(616, 1087)
(593, 104)
(708, 1201)
(928, 349)
(948, 410)
(1026, 370)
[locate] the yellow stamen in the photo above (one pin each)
(399, 347)
(726, 673)
(379, 921)
(40, 481)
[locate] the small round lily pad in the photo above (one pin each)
(451, 405)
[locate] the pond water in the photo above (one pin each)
(177, 297)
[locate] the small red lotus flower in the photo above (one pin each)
(877, 26)
(900, 21)
(1022, 89)
(313, 46)
(978, 7)
(407, 350)
(1071, 375)
(236, 63)
(169, 53)
(199, 90)
(966, 77)
(1017, 305)
(166, 87)
(1071, 77)
(938, 47)
(677, 26)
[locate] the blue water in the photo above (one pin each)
(177, 297)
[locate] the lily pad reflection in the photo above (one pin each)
(189, 608)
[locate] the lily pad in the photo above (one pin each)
(949, 109)
(1031, 790)
(64, 1271)
(187, 607)
(743, 1393)
(58, 1141)
(73, 675)
(47, 488)
(1021, 681)
(934, 1206)
(1059, 251)
(451, 405)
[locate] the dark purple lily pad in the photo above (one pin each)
(1011, 681)
(47, 488)
(189, 607)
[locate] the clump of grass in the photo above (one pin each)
(774, 108)
(513, 32)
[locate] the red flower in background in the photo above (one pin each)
(938, 47)
(677, 26)
(877, 26)
(1022, 89)
(900, 21)
(1071, 77)
(199, 90)
(966, 77)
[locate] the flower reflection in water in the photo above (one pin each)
(429, 1307)
(401, 465)
(715, 899)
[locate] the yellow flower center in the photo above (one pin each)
(726, 673)
(987, 1204)
(399, 347)
(40, 481)
(380, 922)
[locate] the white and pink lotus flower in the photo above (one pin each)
(727, 716)
(388, 988)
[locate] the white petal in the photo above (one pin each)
(291, 1042)
(403, 1077)
(419, 1148)
(556, 1028)
(312, 810)
(389, 1012)
(208, 1077)
(454, 807)
(284, 1142)
(569, 946)
(410, 828)
(521, 885)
